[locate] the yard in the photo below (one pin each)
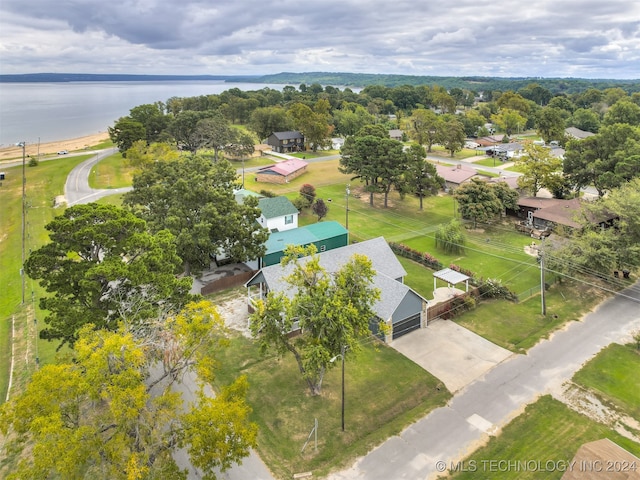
(377, 404)
(548, 434)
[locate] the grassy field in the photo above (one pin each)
(614, 375)
(519, 326)
(112, 172)
(43, 184)
(547, 431)
(377, 404)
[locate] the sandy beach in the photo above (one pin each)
(50, 148)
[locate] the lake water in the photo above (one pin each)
(45, 112)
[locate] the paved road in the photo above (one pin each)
(76, 188)
(451, 432)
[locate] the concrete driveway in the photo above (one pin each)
(451, 353)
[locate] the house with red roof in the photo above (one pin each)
(282, 172)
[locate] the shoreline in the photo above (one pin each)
(51, 148)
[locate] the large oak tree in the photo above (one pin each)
(195, 201)
(102, 265)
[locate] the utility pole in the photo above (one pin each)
(24, 195)
(347, 212)
(542, 286)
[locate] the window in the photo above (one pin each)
(288, 219)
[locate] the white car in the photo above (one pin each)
(63, 152)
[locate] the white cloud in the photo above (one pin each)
(587, 38)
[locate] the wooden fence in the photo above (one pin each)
(451, 307)
(227, 282)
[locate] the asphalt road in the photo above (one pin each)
(76, 188)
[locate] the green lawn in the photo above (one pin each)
(547, 431)
(614, 375)
(112, 172)
(43, 184)
(378, 404)
(519, 326)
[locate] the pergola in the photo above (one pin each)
(451, 277)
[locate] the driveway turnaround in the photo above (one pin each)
(428, 447)
(451, 353)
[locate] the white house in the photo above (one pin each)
(278, 214)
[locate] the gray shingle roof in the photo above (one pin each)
(384, 261)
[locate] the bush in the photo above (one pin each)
(493, 288)
(267, 193)
(33, 162)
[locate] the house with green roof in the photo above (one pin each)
(278, 214)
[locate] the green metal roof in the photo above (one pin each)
(276, 207)
(304, 235)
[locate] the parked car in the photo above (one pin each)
(63, 152)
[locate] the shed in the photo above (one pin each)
(324, 235)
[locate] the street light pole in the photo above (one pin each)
(341, 355)
(24, 182)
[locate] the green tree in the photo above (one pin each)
(539, 168)
(507, 196)
(450, 238)
(142, 154)
(595, 160)
(241, 147)
(108, 409)
(125, 132)
(152, 116)
(425, 127)
(183, 128)
(509, 121)
(195, 201)
(585, 119)
(332, 309)
(101, 265)
(313, 124)
(451, 135)
(216, 133)
(477, 201)
(550, 123)
(420, 177)
(266, 120)
(623, 111)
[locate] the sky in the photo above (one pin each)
(501, 38)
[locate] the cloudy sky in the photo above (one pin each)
(547, 38)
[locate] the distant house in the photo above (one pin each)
(489, 141)
(546, 213)
(396, 134)
(282, 172)
(577, 134)
(455, 175)
(277, 214)
(506, 150)
(400, 307)
(286, 142)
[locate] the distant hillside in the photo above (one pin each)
(359, 80)
(99, 77)
(554, 85)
